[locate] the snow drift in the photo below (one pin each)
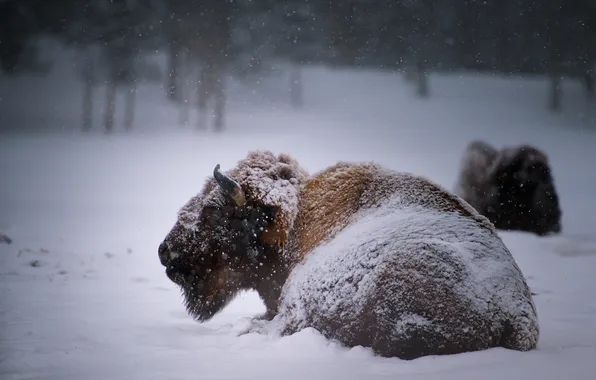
(369, 257)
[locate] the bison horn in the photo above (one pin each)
(229, 186)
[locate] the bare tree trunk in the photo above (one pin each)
(422, 80)
(589, 84)
(219, 92)
(203, 94)
(409, 74)
(87, 104)
(555, 88)
(89, 81)
(110, 106)
(296, 98)
(588, 79)
(172, 90)
(211, 86)
(558, 52)
(183, 88)
(131, 97)
(184, 116)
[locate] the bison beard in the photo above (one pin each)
(365, 255)
(513, 187)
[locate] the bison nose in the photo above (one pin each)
(163, 253)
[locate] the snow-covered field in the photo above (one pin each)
(82, 292)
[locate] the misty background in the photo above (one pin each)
(85, 63)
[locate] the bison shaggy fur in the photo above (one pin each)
(513, 187)
(363, 254)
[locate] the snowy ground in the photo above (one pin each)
(82, 293)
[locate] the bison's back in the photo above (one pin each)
(410, 281)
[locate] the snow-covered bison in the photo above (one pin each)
(512, 187)
(365, 255)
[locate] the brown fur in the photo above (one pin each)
(513, 187)
(326, 203)
(213, 262)
(332, 196)
(412, 282)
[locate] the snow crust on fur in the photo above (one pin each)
(188, 215)
(265, 178)
(273, 181)
(411, 238)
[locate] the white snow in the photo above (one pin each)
(82, 292)
(338, 279)
(275, 181)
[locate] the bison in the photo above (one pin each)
(513, 187)
(364, 254)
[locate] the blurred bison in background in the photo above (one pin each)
(512, 187)
(365, 255)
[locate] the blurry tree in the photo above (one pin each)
(571, 43)
(299, 41)
(584, 35)
(177, 24)
(392, 18)
(554, 38)
(208, 40)
(556, 34)
(421, 40)
(19, 27)
(199, 34)
(346, 38)
(112, 36)
(131, 28)
(411, 34)
(254, 38)
(88, 72)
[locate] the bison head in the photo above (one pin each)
(229, 237)
(526, 195)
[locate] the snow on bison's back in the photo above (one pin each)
(410, 278)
